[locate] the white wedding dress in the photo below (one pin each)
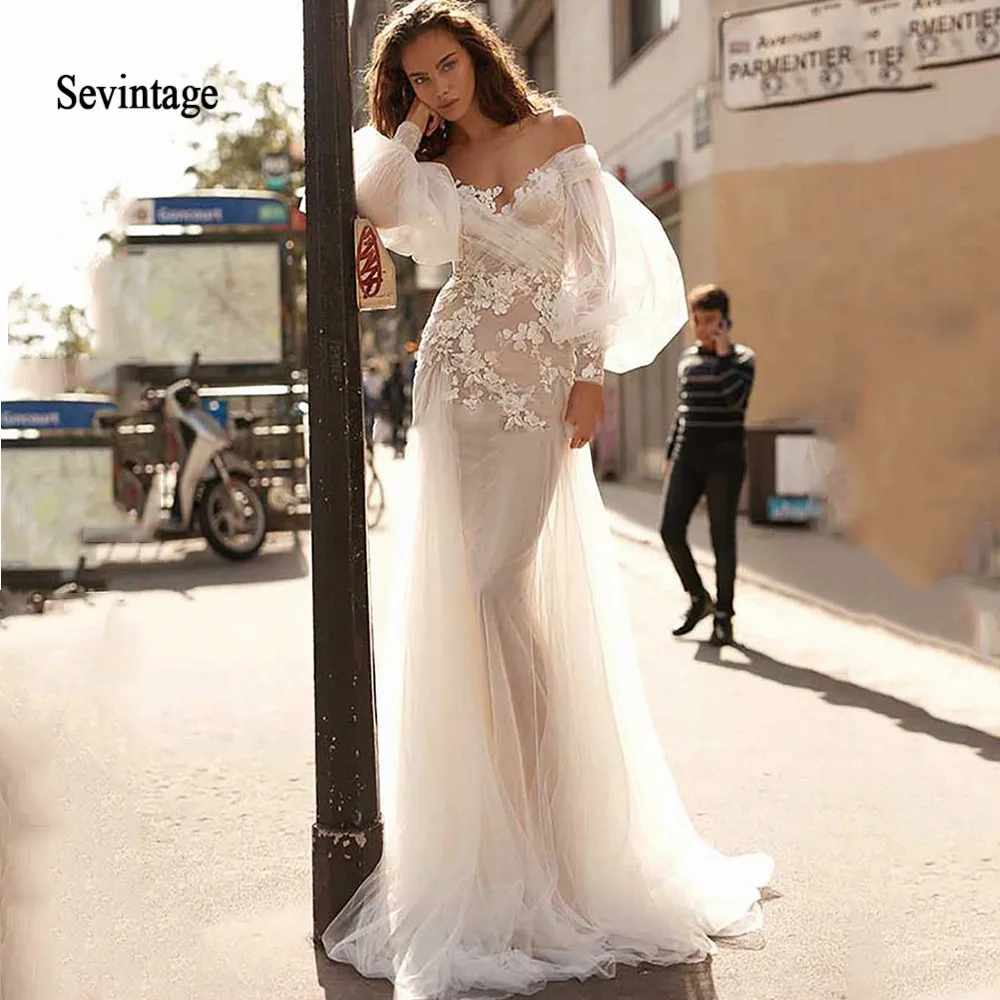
(533, 831)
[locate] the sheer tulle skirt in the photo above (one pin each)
(533, 831)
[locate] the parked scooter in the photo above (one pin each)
(215, 491)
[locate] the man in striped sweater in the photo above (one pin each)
(706, 457)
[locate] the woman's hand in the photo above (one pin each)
(425, 119)
(584, 410)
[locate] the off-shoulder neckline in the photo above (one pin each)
(490, 194)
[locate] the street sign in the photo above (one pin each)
(53, 414)
(815, 51)
(206, 210)
(968, 32)
(276, 169)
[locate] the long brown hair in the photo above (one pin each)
(503, 91)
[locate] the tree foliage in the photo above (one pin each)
(248, 122)
(31, 321)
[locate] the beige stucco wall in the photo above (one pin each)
(870, 293)
(699, 233)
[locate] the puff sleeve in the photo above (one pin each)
(413, 205)
(623, 293)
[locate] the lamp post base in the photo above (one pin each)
(342, 860)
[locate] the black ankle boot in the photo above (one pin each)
(722, 629)
(701, 607)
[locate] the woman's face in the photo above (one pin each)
(441, 73)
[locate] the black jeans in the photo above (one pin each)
(717, 472)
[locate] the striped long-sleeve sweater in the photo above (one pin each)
(714, 393)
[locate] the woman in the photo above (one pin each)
(532, 829)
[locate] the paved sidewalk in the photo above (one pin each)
(161, 804)
(817, 568)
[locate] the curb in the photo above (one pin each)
(625, 528)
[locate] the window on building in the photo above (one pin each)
(639, 22)
(541, 58)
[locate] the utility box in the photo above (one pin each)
(788, 469)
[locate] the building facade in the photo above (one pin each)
(856, 236)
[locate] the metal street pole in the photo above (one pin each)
(347, 835)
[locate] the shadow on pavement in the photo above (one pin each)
(341, 982)
(185, 569)
(676, 982)
(837, 692)
(826, 569)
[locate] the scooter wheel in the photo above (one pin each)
(235, 534)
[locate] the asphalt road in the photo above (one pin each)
(156, 763)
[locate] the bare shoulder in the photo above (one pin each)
(566, 129)
(555, 131)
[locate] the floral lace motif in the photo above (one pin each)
(491, 328)
(485, 196)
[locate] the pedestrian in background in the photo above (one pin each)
(706, 456)
(396, 398)
(372, 382)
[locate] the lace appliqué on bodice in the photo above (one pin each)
(491, 328)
